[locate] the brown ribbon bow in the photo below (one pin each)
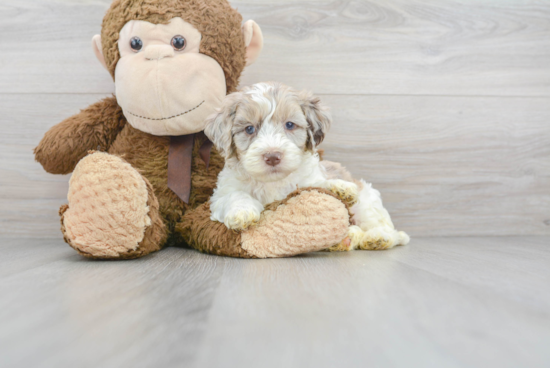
(180, 159)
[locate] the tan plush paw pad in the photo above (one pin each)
(108, 212)
(308, 222)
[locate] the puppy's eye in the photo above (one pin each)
(136, 44)
(250, 129)
(178, 43)
(290, 125)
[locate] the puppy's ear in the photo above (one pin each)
(317, 116)
(219, 125)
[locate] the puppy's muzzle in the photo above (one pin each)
(272, 158)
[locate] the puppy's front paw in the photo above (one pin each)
(240, 218)
(345, 190)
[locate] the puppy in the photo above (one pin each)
(268, 134)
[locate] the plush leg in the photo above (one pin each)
(112, 211)
(307, 220)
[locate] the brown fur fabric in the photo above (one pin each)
(103, 126)
(215, 19)
(155, 235)
(149, 155)
(211, 237)
(207, 236)
(68, 142)
(95, 128)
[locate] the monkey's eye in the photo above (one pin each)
(178, 43)
(136, 44)
(250, 129)
(290, 125)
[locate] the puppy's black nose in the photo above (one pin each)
(272, 159)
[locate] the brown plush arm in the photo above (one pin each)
(307, 220)
(69, 141)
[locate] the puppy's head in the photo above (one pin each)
(268, 129)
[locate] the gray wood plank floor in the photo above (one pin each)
(440, 302)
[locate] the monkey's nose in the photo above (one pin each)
(272, 158)
(158, 52)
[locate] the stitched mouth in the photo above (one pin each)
(171, 117)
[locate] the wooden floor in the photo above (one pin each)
(440, 302)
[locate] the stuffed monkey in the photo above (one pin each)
(143, 170)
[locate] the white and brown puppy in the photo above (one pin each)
(268, 134)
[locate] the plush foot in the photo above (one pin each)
(377, 238)
(112, 211)
(345, 190)
(239, 219)
(307, 221)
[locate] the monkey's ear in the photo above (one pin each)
(253, 41)
(317, 116)
(219, 125)
(98, 50)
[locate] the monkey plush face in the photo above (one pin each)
(174, 63)
(164, 85)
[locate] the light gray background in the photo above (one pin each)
(444, 106)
